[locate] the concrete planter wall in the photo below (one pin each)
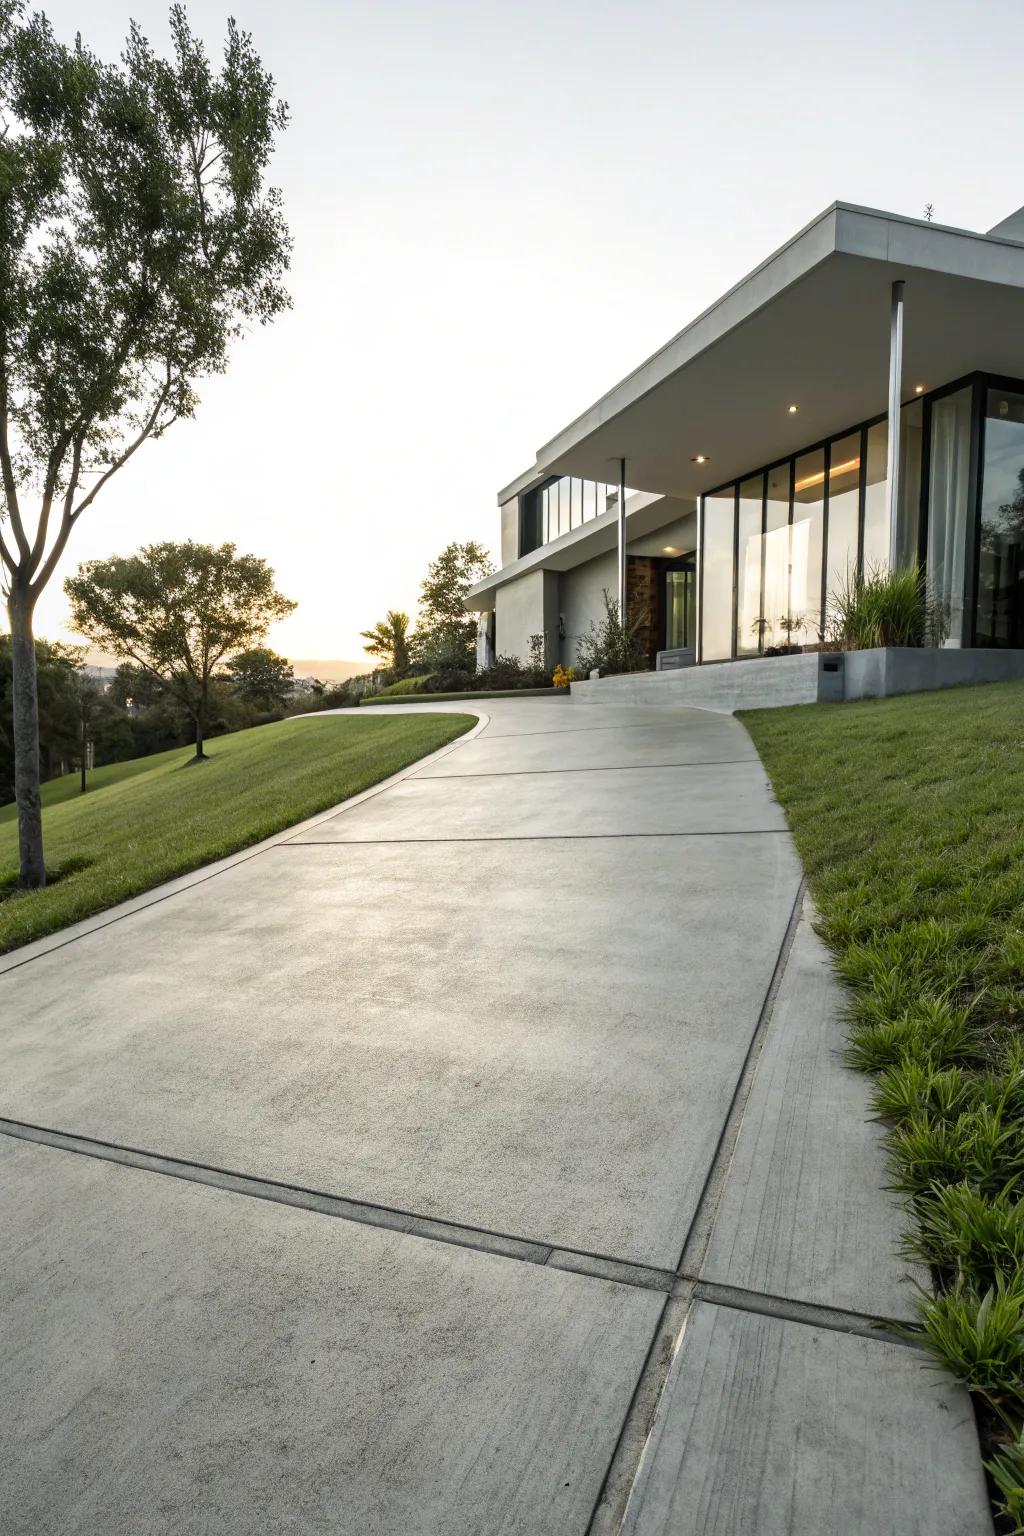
(769, 682)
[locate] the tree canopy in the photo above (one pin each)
(446, 633)
(262, 678)
(177, 610)
(138, 238)
(389, 639)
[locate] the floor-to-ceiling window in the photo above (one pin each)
(843, 517)
(748, 567)
(776, 557)
(949, 463)
(808, 533)
(875, 553)
(1000, 608)
(679, 607)
(718, 551)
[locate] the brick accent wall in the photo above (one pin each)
(645, 588)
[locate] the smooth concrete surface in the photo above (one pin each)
(692, 737)
(178, 1360)
(801, 1215)
(764, 682)
(772, 682)
(540, 1038)
(619, 802)
(882, 673)
(779, 1429)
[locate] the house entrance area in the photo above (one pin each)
(662, 592)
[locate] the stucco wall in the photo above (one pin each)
(524, 607)
(510, 531)
(581, 599)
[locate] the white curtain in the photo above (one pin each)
(947, 507)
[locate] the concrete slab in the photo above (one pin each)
(781, 1429)
(803, 1214)
(177, 1359)
(643, 746)
(539, 1038)
(729, 797)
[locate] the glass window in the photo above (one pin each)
(843, 515)
(808, 523)
(679, 609)
(716, 588)
(777, 557)
(748, 570)
(909, 521)
(948, 494)
(1000, 619)
(876, 499)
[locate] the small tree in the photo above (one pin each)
(137, 239)
(261, 678)
(446, 633)
(177, 610)
(611, 646)
(389, 639)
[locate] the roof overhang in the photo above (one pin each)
(644, 514)
(809, 327)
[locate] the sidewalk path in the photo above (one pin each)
(476, 1160)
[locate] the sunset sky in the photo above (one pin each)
(500, 209)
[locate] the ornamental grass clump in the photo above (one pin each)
(907, 815)
(883, 607)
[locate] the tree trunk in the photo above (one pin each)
(32, 872)
(200, 756)
(85, 743)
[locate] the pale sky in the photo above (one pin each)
(499, 210)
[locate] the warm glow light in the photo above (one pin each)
(699, 458)
(670, 549)
(793, 409)
(819, 479)
(918, 389)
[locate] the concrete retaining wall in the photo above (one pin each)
(769, 682)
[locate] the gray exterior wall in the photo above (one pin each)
(524, 607)
(582, 600)
(510, 531)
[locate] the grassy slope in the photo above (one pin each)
(150, 819)
(909, 816)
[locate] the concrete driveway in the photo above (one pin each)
(475, 1158)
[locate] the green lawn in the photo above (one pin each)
(909, 816)
(147, 820)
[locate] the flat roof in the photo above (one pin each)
(810, 327)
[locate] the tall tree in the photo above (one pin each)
(261, 678)
(446, 633)
(389, 639)
(137, 237)
(177, 610)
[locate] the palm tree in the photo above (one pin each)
(390, 639)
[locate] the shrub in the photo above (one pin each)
(562, 676)
(884, 607)
(610, 646)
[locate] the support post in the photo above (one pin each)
(622, 542)
(895, 390)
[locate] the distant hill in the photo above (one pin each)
(331, 671)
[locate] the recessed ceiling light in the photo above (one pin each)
(670, 549)
(792, 409)
(699, 458)
(918, 389)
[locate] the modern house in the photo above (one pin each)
(729, 485)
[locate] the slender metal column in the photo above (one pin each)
(622, 541)
(895, 390)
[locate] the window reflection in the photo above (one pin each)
(717, 580)
(777, 557)
(1000, 619)
(749, 628)
(808, 525)
(843, 516)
